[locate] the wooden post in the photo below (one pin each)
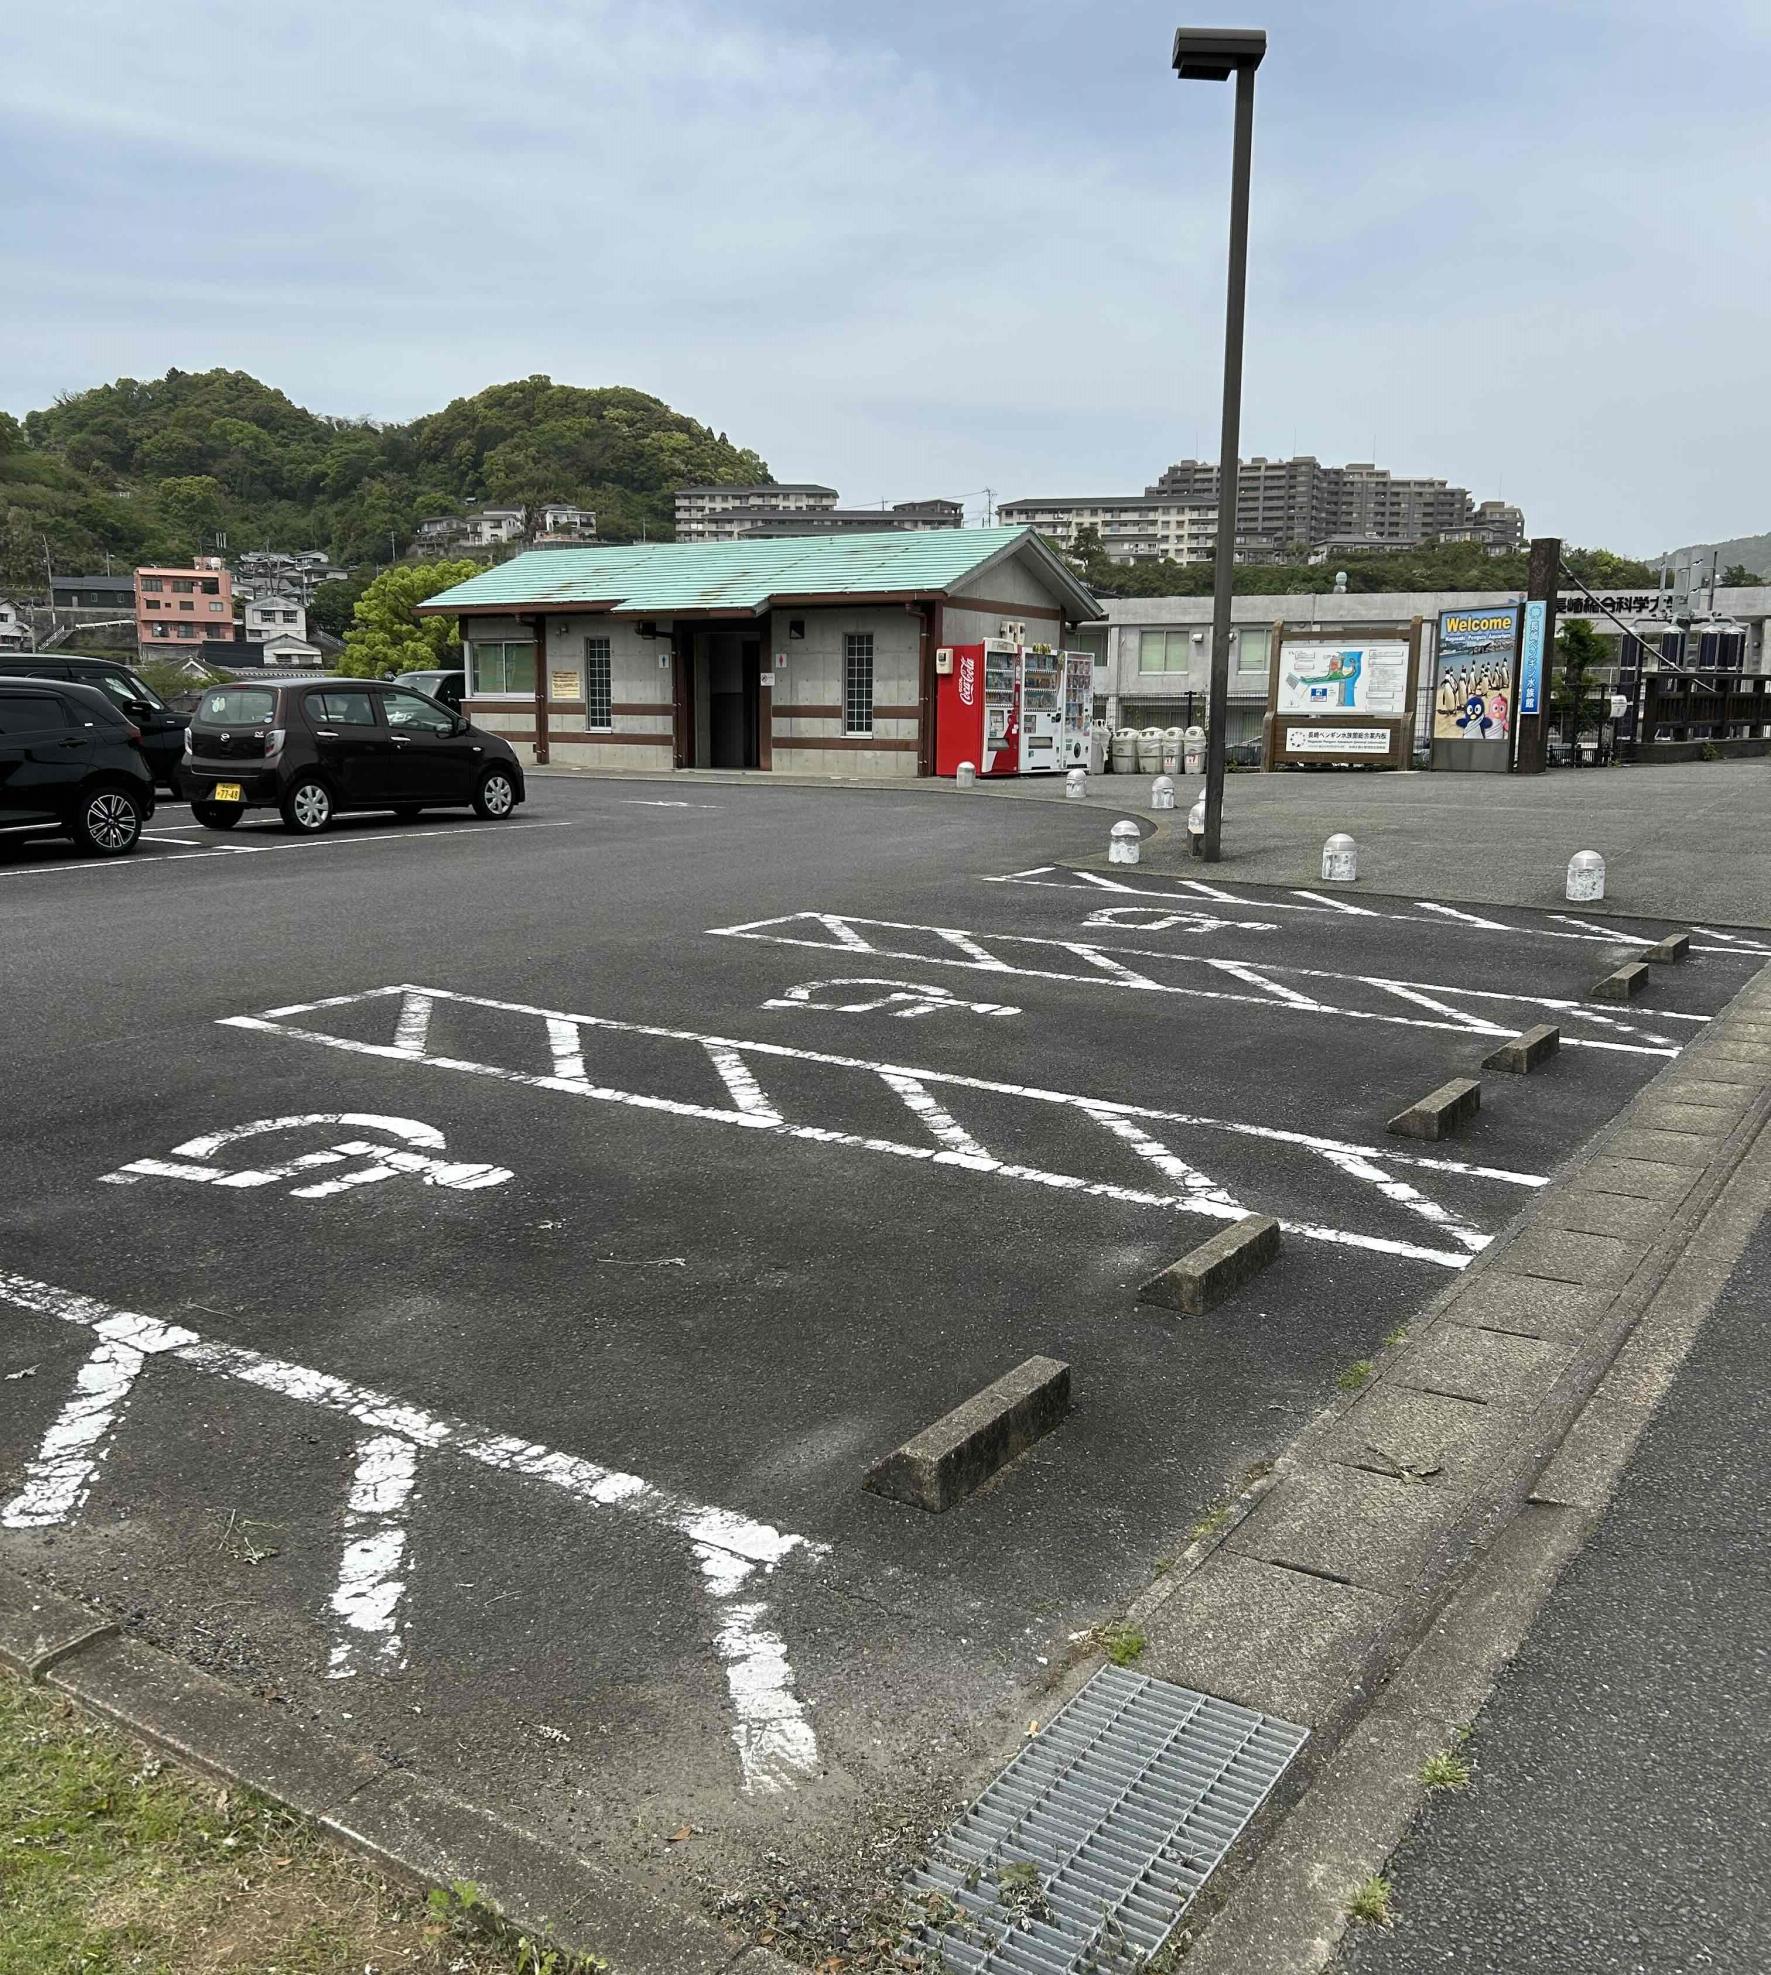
(1531, 751)
(540, 624)
(1270, 720)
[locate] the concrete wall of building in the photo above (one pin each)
(641, 694)
(808, 734)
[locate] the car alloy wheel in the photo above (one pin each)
(112, 822)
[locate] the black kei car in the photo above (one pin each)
(162, 730)
(71, 765)
(310, 748)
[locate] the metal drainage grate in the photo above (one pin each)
(1083, 1854)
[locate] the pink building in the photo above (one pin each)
(179, 606)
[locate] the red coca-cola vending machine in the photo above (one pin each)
(978, 708)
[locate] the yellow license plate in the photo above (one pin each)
(228, 792)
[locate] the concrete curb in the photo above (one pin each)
(1327, 1573)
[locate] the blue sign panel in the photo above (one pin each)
(1531, 658)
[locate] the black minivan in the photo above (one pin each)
(310, 748)
(162, 730)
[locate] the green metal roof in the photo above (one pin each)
(745, 577)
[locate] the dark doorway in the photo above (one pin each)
(719, 700)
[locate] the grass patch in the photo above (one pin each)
(1397, 1338)
(1355, 1375)
(1123, 1643)
(1445, 1771)
(1370, 1904)
(1210, 1523)
(117, 1862)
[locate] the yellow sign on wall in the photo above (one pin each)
(563, 685)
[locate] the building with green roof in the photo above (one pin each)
(810, 655)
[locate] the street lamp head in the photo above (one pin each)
(1213, 54)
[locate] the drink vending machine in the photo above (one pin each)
(1012, 709)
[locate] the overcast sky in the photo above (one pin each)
(918, 247)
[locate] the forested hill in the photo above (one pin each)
(151, 470)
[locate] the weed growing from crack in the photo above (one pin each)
(1355, 1375)
(1124, 1643)
(1370, 1904)
(1445, 1771)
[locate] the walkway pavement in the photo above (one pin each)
(1682, 841)
(1617, 1822)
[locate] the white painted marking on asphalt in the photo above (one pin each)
(1193, 1185)
(738, 1078)
(659, 802)
(1111, 972)
(1462, 1016)
(371, 1573)
(1463, 918)
(1152, 919)
(754, 1659)
(329, 842)
(941, 1123)
(567, 1042)
(1734, 939)
(413, 1029)
(1338, 905)
(902, 1000)
(1197, 888)
(1091, 877)
(1094, 1108)
(388, 1162)
(1607, 932)
(776, 1743)
(58, 1479)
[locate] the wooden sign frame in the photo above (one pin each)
(1279, 750)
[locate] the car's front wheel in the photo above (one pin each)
(217, 815)
(495, 795)
(108, 823)
(307, 808)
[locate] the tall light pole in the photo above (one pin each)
(1213, 54)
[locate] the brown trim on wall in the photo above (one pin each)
(836, 713)
(540, 624)
(643, 706)
(587, 737)
(848, 743)
(1045, 612)
(927, 687)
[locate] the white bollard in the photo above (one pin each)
(1196, 827)
(1340, 859)
(1162, 793)
(1076, 784)
(1122, 844)
(965, 775)
(1194, 754)
(1586, 878)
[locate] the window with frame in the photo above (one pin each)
(342, 706)
(1251, 651)
(599, 684)
(415, 714)
(503, 669)
(1164, 651)
(857, 682)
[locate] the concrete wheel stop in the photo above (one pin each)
(955, 1456)
(1217, 1268)
(1529, 1050)
(1440, 1111)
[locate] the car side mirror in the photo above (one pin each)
(141, 709)
(463, 725)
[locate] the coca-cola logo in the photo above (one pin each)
(968, 678)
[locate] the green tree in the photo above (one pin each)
(191, 508)
(387, 635)
(1735, 577)
(333, 605)
(1580, 651)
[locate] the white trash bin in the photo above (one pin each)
(1150, 751)
(1193, 752)
(1125, 751)
(1174, 742)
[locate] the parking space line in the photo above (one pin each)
(328, 842)
(371, 1576)
(1111, 969)
(774, 1737)
(1192, 1193)
(1197, 888)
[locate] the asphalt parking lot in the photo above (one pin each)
(457, 1274)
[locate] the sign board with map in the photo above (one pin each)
(1345, 696)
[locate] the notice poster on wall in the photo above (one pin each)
(1344, 677)
(1473, 674)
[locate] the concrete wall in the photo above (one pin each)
(808, 692)
(640, 737)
